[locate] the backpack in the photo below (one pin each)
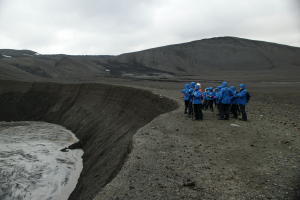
(248, 96)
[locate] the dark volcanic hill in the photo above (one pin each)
(224, 57)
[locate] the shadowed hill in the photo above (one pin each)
(225, 53)
(224, 56)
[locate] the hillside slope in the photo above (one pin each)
(216, 57)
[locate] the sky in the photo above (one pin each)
(112, 27)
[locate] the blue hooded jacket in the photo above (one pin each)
(234, 97)
(204, 94)
(210, 94)
(186, 93)
(191, 90)
(242, 95)
(197, 96)
(218, 94)
(226, 95)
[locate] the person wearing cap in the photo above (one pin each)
(197, 103)
(242, 101)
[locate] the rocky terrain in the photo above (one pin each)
(174, 157)
(170, 156)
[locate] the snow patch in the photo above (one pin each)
(6, 56)
(235, 125)
(26, 54)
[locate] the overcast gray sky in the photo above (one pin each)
(120, 26)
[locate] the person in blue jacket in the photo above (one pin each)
(197, 103)
(191, 91)
(205, 102)
(234, 105)
(225, 101)
(186, 97)
(210, 99)
(214, 90)
(242, 100)
(217, 99)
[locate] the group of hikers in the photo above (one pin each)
(226, 99)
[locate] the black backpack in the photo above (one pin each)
(248, 96)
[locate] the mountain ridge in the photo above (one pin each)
(214, 57)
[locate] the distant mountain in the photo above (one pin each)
(216, 57)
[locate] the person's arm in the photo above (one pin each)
(197, 94)
(242, 93)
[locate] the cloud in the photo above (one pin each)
(119, 26)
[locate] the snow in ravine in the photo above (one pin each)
(32, 167)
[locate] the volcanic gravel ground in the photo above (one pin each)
(174, 157)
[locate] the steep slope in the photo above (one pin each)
(103, 117)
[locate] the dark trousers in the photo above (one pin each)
(210, 104)
(224, 111)
(198, 111)
(219, 109)
(243, 111)
(186, 106)
(190, 109)
(205, 104)
(234, 110)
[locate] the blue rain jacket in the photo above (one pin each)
(226, 95)
(210, 94)
(197, 97)
(234, 97)
(185, 92)
(242, 97)
(191, 91)
(218, 95)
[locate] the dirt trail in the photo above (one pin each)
(174, 157)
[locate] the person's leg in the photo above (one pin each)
(195, 111)
(200, 112)
(222, 110)
(219, 109)
(186, 105)
(234, 110)
(243, 111)
(226, 111)
(190, 108)
(238, 110)
(204, 104)
(211, 105)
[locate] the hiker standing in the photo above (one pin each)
(225, 101)
(186, 97)
(197, 103)
(191, 91)
(234, 103)
(242, 100)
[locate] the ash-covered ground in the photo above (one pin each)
(174, 157)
